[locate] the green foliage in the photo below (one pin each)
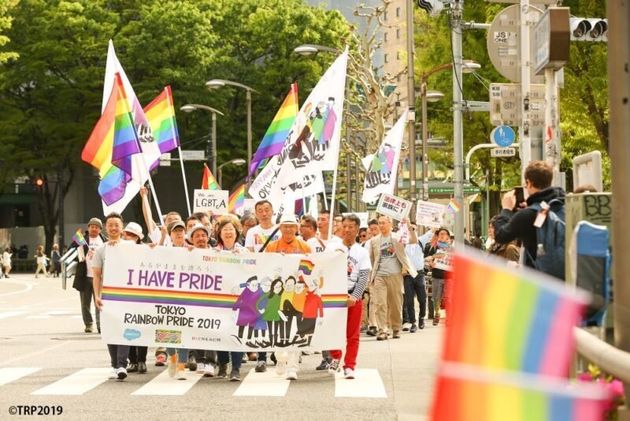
(5, 24)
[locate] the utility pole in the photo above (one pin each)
(524, 131)
(458, 135)
(619, 132)
(411, 99)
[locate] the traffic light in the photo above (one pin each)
(586, 29)
(39, 182)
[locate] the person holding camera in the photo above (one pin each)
(518, 221)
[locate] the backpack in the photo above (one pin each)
(550, 239)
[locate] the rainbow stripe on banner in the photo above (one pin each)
(111, 144)
(201, 299)
(161, 115)
(278, 130)
(464, 393)
(306, 266)
(503, 319)
(79, 238)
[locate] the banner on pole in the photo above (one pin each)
(203, 299)
(383, 165)
(430, 214)
(215, 201)
(394, 207)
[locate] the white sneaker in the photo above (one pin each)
(348, 373)
(291, 374)
(208, 370)
(121, 373)
(200, 367)
(406, 327)
(281, 364)
(113, 374)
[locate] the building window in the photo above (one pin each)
(385, 58)
(397, 55)
(385, 16)
(397, 33)
(385, 36)
(398, 12)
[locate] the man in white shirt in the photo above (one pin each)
(308, 231)
(358, 272)
(118, 354)
(257, 236)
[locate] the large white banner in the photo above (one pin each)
(430, 214)
(203, 299)
(383, 168)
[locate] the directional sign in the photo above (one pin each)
(503, 136)
(502, 152)
(505, 104)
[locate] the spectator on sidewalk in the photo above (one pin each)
(6, 261)
(55, 257)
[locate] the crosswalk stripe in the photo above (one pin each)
(263, 384)
(7, 314)
(366, 384)
(165, 385)
(10, 374)
(77, 383)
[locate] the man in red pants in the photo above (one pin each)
(358, 271)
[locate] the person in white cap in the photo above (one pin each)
(137, 354)
(205, 360)
(83, 273)
(288, 243)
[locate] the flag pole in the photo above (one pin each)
(325, 198)
(181, 161)
(332, 201)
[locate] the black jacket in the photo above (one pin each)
(519, 225)
(80, 274)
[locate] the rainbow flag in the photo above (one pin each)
(503, 319)
(161, 115)
(453, 206)
(306, 266)
(466, 393)
(237, 199)
(278, 130)
(111, 144)
(79, 238)
(208, 182)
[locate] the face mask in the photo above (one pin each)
(442, 244)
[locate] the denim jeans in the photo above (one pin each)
(237, 358)
(118, 355)
(414, 288)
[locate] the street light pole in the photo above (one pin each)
(458, 137)
(237, 161)
(411, 99)
(211, 148)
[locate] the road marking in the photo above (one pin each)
(27, 287)
(366, 384)
(77, 383)
(38, 317)
(10, 374)
(32, 354)
(165, 385)
(7, 314)
(263, 384)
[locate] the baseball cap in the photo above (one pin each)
(176, 224)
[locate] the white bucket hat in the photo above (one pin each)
(134, 229)
(288, 219)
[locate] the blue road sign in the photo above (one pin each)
(503, 136)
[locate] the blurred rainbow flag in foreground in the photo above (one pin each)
(467, 393)
(505, 319)
(237, 199)
(508, 346)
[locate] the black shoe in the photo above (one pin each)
(261, 366)
(413, 328)
(192, 363)
(371, 331)
(421, 324)
(142, 368)
(222, 371)
(273, 359)
(132, 368)
(324, 365)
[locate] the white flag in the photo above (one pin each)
(312, 145)
(150, 151)
(381, 176)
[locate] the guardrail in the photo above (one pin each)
(610, 359)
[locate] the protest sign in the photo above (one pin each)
(248, 206)
(429, 214)
(204, 299)
(394, 207)
(215, 201)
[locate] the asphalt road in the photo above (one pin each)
(49, 365)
